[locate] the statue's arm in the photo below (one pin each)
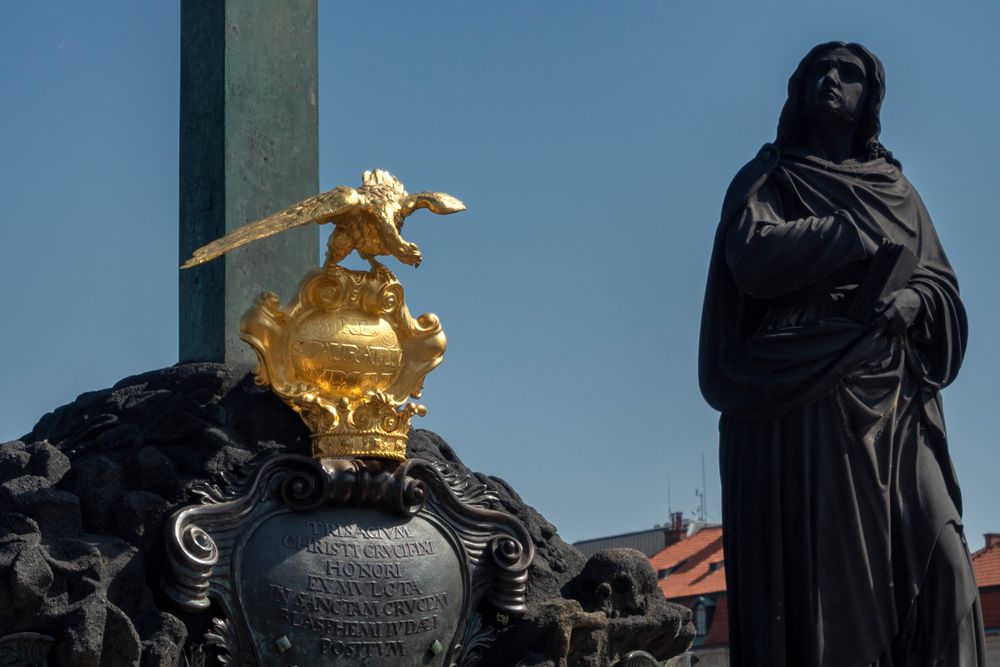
(770, 256)
(938, 336)
(938, 333)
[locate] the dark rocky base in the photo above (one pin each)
(84, 496)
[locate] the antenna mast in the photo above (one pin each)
(704, 490)
(670, 507)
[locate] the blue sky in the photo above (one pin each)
(591, 142)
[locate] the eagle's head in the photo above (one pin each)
(384, 194)
(382, 182)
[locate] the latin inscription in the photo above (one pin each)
(345, 353)
(360, 591)
(327, 353)
(336, 365)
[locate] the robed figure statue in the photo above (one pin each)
(843, 534)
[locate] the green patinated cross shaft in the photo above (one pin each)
(248, 148)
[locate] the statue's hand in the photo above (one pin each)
(899, 312)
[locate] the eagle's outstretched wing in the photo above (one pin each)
(321, 208)
(437, 202)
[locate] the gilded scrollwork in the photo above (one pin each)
(347, 355)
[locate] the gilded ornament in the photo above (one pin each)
(346, 353)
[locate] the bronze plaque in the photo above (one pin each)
(350, 586)
(348, 562)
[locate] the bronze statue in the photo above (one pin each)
(843, 532)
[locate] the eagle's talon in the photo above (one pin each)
(382, 273)
(410, 254)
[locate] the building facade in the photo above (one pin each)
(691, 572)
(986, 563)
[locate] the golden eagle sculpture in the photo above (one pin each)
(367, 219)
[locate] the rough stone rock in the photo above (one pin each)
(13, 460)
(139, 517)
(16, 488)
(38, 459)
(83, 633)
(151, 469)
(16, 527)
(166, 635)
(58, 511)
(98, 482)
(84, 496)
(26, 577)
(30, 578)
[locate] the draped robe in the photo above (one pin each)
(842, 515)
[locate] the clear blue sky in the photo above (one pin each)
(592, 143)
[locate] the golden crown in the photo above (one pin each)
(346, 355)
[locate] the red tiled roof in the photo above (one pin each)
(986, 563)
(696, 556)
(695, 563)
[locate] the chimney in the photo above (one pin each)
(992, 540)
(673, 531)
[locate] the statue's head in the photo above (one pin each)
(835, 87)
(836, 82)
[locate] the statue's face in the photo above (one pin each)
(835, 86)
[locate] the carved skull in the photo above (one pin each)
(619, 582)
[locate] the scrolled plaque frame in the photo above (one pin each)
(379, 562)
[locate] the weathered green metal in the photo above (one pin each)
(248, 148)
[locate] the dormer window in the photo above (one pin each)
(703, 608)
(667, 571)
(701, 620)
